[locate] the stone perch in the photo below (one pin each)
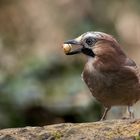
(103, 130)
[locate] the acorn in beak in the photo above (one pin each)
(74, 46)
(69, 45)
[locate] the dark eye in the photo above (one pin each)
(89, 41)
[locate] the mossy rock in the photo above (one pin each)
(103, 130)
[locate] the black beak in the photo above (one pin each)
(74, 42)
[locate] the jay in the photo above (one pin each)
(111, 76)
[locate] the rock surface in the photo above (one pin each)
(103, 130)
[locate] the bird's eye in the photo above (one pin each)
(89, 41)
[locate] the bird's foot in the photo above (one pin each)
(130, 114)
(105, 113)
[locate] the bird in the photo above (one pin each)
(111, 76)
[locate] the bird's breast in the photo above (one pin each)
(114, 88)
(95, 80)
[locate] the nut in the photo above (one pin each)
(67, 48)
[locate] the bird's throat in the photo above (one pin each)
(88, 52)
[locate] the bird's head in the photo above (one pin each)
(98, 45)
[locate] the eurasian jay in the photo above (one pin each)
(111, 76)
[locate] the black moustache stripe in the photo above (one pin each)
(88, 52)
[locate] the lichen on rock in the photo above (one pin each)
(102, 130)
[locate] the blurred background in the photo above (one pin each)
(39, 85)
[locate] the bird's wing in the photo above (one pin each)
(132, 65)
(130, 62)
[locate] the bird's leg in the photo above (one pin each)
(105, 113)
(131, 112)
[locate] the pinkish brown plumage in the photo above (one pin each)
(111, 76)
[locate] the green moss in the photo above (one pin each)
(57, 135)
(137, 137)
